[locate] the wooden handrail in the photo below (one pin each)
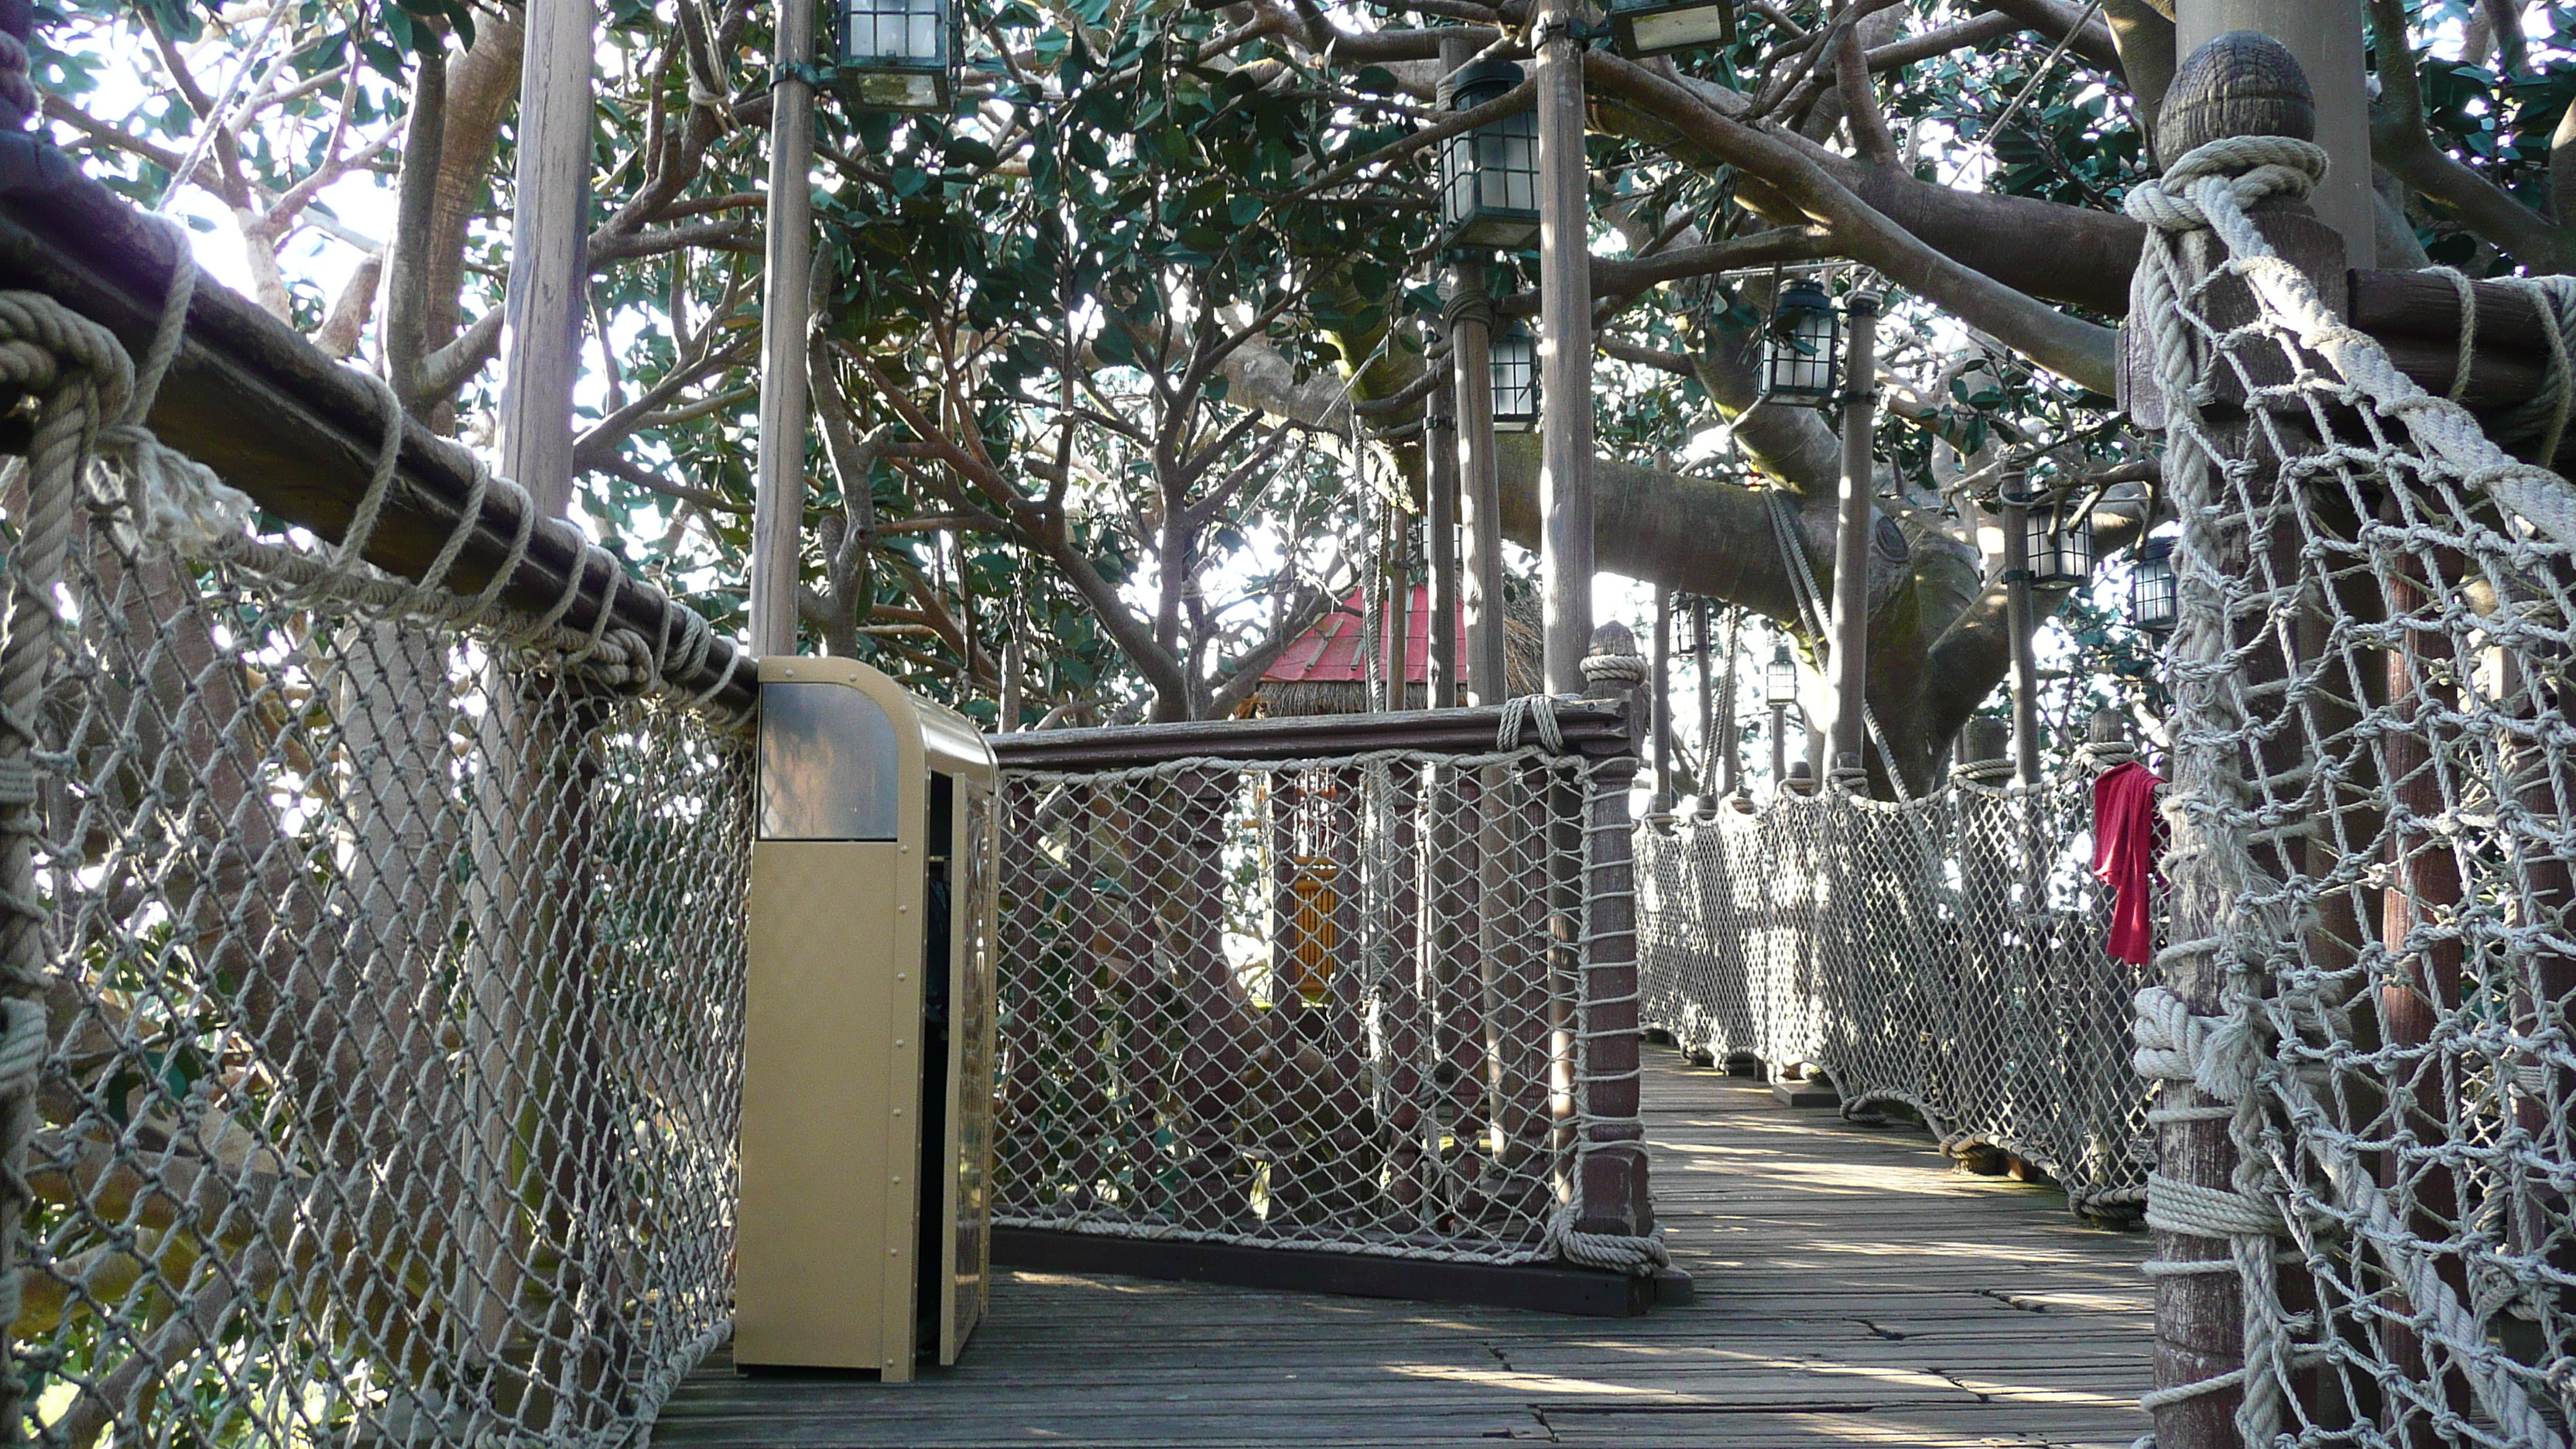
(1590, 727)
(297, 431)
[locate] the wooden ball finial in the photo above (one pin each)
(2243, 83)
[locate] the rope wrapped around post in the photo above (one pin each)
(2237, 920)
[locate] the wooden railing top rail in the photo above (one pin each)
(1595, 727)
(283, 422)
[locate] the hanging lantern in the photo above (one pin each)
(1642, 28)
(1685, 625)
(2060, 543)
(1489, 176)
(898, 55)
(1803, 345)
(1780, 679)
(1514, 364)
(2155, 598)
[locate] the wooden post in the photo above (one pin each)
(527, 729)
(549, 253)
(1613, 1172)
(1855, 514)
(2236, 85)
(1719, 748)
(1440, 442)
(1565, 352)
(2324, 36)
(1661, 673)
(2019, 623)
(778, 488)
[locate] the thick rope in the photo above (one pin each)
(80, 379)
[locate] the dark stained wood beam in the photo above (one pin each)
(297, 431)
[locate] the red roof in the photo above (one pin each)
(1329, 653)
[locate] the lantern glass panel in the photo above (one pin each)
(1514, 359)
(2061, 546)
(1659, 27)
(1489, 176)
(2155, 598)
(896, 54)
(1780, 679)
(1801, 348)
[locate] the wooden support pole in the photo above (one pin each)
(1719, 748)
(778, 487)
(549, 253)
(2019, 623)
(1480, 490)
(1855, 515)
(527, 729)
(2238, 84)
(1440, 441)
(1565, 352)
(1613, 1173)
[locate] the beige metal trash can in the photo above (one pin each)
(867, 1095)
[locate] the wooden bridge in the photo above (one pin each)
(1854, 1289)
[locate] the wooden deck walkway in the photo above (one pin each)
(1853, 1289)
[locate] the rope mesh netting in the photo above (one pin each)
(1330, 1003)
(1945, 954)
(2367, 1084)
(375, 961)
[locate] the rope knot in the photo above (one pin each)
(2251, 167)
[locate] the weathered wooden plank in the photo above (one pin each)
(1856, 1289)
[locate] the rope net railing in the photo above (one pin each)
(373, 962)
(1945, 954)
(1332, 1003)
(2362, 1034)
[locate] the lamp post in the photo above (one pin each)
(1780, 690)
(1440, 443)
(1565, 357)
(1663, 799)
(1469, 312)
(2016, 501)
(786, 296)
(1855, 515)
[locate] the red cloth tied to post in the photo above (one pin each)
(2128, 834)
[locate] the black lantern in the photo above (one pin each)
(1803, 345)
(2155, 600)
(898, 55)
(1780, 679)
(1685, 625)
(1641, 28)
(2061, 544)
(1514, 364)
(1489, 176)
